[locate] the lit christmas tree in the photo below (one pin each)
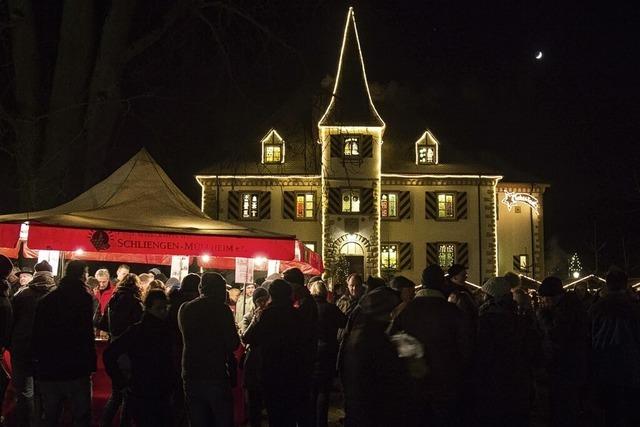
(575, 268)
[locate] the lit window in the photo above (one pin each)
(389, 205)
(305, 205)
(351, 148)
(310, 245)
(250, 205)
(422, 155)
(273, 153)
(523, 262)
(446, 254)
(350, 200)
(389, 257)
(446, 205)
(429, 155)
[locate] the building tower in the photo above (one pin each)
(350, 132)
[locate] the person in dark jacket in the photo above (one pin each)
(507, 349)
(373, 377)
(24, 310)
(308, 309)
(407, 291)
(6, 317)
(330, 320)
(123, 310)
(63, 348)
(615, 343)
(276, 332)
(209, 335)
(355, 289)
(252, 378)
(444, 333)
(153, 375)
(564, 325)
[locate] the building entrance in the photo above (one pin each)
(354, 254)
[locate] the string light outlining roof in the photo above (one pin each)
(351, 103)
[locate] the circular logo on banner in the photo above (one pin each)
(100, 240)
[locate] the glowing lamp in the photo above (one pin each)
(206, 258)
(79, 252)
(575, 274)
(260, 260)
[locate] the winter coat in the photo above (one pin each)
(24, 311)
(330, 320)
(308, 310)
(209, 335)
(346, 303)
(565, 339)
(243, 306)
(507, 350)
(63, 340)
(446, 338)
(177, 297)
(6, 315)
(149, 346)
(252, 378)
(615, 340)
(373, 377)
(279, 338)
(124, 309)
(104, 296)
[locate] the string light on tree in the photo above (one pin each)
(575, 267)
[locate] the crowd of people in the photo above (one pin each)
(437, 354)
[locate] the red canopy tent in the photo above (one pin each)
(138, 214)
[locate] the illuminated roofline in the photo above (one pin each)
(199, 177)
(265, 141)
(582, 279)
(350, 17)
(400, 175)
(424, 138)
(530, 278)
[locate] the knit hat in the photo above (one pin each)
(155, 271)
(550, 287)
(259, 293)
(433, 277)
(497, 287)
(280, 291)
(455, 269)
(43, 266)
(5, 267)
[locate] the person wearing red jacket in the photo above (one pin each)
(104, 290)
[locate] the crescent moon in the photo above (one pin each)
(539, 55)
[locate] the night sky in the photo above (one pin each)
(465, 70)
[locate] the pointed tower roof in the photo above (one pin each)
(351, 103)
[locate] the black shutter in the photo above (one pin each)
(289, 204)
(264, 207)
(336, 146)
(431, 205)
(233, 208)
(335, 201)
(432, 253)
(461, 205)
(462, 254)
(404, 205)
(366, 200)
(366, 146)
(405, 257)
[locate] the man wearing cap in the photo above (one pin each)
(564, 324)
(507, 348)
(24, 309)
(446, 338)
(209, 335)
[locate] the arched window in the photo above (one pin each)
(352, 248)
(351, 147)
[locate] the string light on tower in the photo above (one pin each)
(575, 267)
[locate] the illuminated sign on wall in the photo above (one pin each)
(511, 199)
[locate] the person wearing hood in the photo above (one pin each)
(64, 348)
(373, 377)
(446, 337)
(277, 334)
(24, 310)
(564, 325)
(507, 348)
(209, 335)
(123, 310)
(6, 317)
(153, 374)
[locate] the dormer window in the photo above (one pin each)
(427, 149)
(272, 148)
(351, 147)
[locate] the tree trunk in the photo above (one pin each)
(69, 95)
(26, 61)
(105, 103)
